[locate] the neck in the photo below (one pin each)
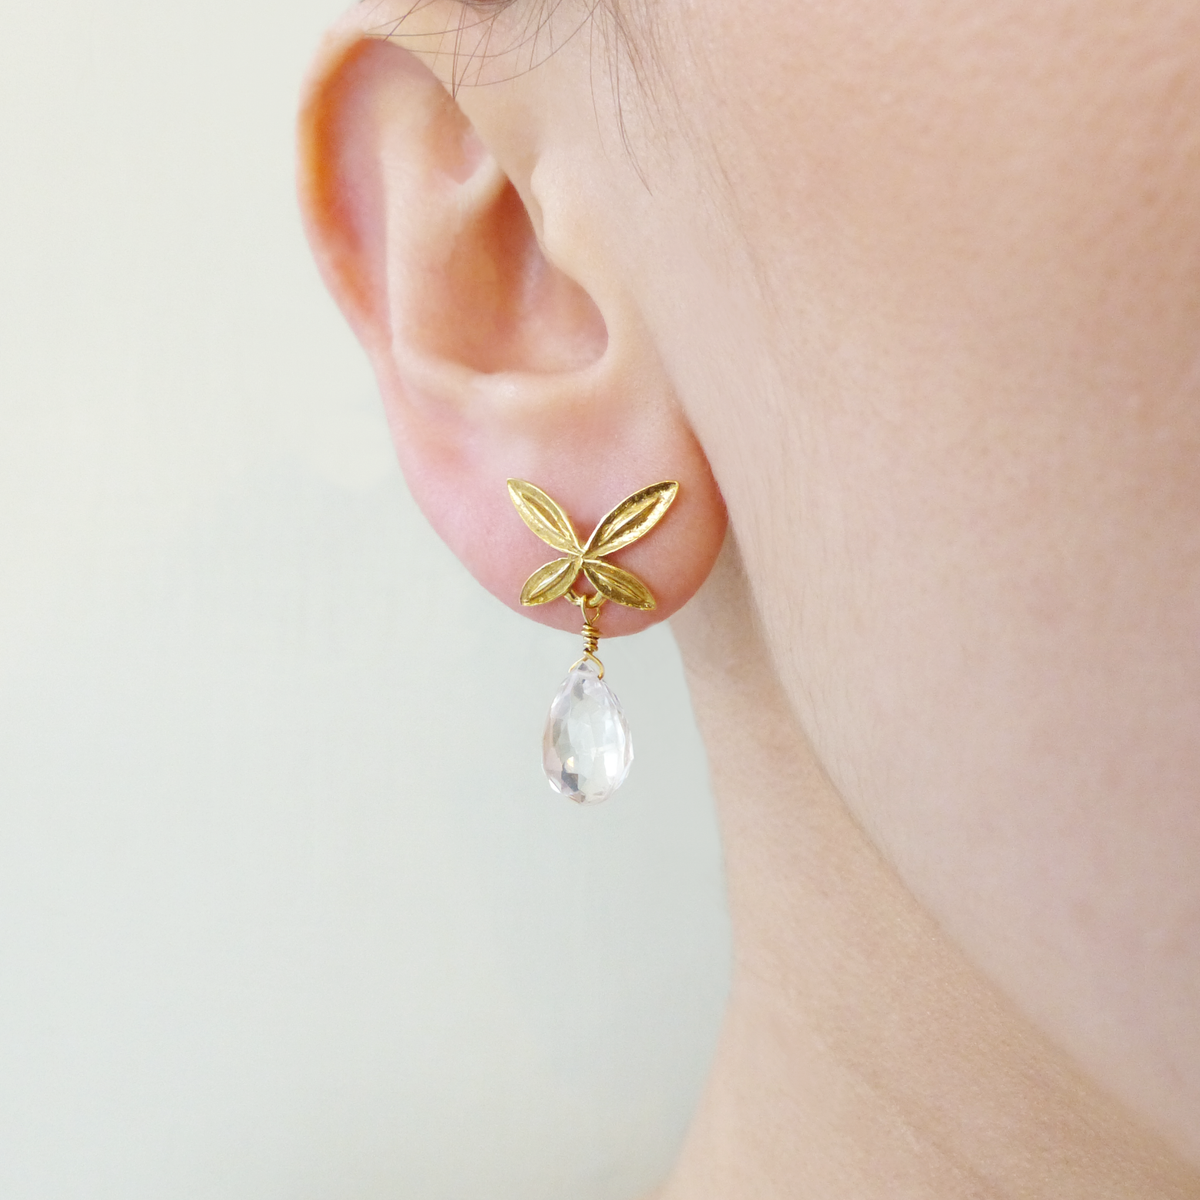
(862, 1055)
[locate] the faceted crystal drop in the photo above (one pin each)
(586, 749)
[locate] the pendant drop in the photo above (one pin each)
(586, 749)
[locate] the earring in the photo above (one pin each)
(587, 749)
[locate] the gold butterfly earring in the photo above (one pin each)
(586, 748)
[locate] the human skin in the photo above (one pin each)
(918, 287)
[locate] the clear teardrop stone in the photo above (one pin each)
(586, 749)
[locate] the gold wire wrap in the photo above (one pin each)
(591, 634)
(591, 638)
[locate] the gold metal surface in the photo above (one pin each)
(633, 518)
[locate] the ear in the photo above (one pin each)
(493, 359)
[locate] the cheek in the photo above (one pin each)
(960, 441)
(995, 637)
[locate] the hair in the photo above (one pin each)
(492, 41)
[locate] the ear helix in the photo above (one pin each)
(587, 748)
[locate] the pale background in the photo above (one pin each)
(287, 909)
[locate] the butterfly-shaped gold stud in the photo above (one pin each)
(634, 517)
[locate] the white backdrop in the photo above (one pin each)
(287, 909)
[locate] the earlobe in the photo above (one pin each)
(493, 362)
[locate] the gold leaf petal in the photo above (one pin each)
(615, 584)
(544, 516)
(634, 516)
(551, 581)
